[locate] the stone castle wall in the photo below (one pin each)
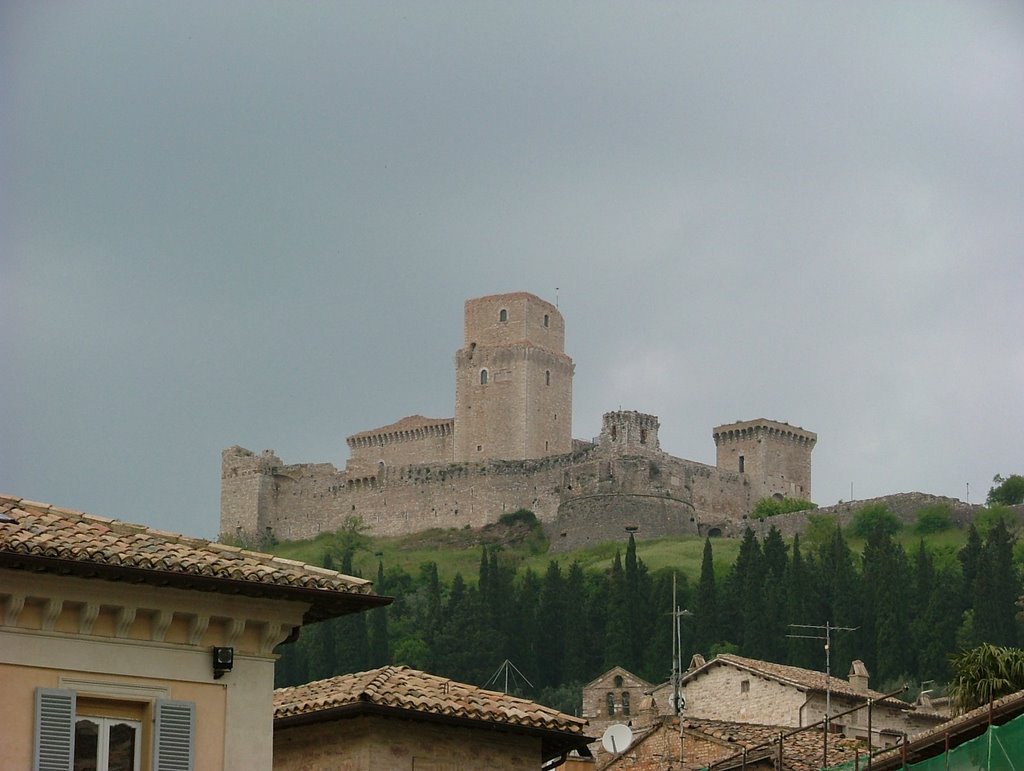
(513, 400)
(904, 505)
(582, 497)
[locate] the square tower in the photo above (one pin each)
(513, 381)
(775, 457)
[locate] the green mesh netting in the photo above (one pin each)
(1000, 748)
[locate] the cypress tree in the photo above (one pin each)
(618, 649)
(349, 635)
(551, 619)
(524, 616)
(775, 591)
(706, 623)
(840, 600)
(996, 589)
(970, 561)
(378, 625)
(746, 591)
(578, 640)
(801, 608)
(886, 580)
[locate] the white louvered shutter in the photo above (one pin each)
(174, 739)
(54, 747)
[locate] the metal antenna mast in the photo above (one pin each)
(677, 647)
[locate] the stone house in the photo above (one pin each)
(399, 719)
(126, 647)
(743, 690)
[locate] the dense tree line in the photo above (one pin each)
(563, 628)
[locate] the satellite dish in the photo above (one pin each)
(617, 738)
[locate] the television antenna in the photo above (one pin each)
(507, 667)
(828, 629)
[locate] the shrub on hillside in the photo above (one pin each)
(874, 517)
(770, 507)
(988, 517)
(517, 517)
(934, 518)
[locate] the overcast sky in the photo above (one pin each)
(256, 223)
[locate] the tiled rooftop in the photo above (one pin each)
(402, 688)
(808, 679)
(63, 540)
(802, 751)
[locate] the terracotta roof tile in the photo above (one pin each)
(801, 751)
(38, 530)
(402, 688)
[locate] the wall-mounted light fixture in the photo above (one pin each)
(223, 661)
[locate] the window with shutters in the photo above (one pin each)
(94, 734)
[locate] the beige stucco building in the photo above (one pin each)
(399, 719)
(147, 649)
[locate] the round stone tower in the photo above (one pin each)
(513, 381)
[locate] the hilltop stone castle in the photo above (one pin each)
(510, 446)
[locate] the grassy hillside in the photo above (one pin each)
(458, 551)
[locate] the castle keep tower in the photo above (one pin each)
(775, 457)
(513, 381)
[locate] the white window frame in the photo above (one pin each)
(103, 739)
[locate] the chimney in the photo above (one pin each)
(858, 676)
(696, 662)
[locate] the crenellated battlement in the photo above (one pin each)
(630, 429)
(743, 431)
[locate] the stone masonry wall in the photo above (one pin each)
(585, 495)
(407, 443)
(390, 744)
(904, 505)
(301, 501)
(513, 380)
(721, 695)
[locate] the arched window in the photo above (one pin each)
(546, 319)
(610, 700)
(625, 702)
(503, 315)
(483, 377)
(618, 681)
(547, 377)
